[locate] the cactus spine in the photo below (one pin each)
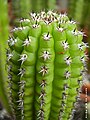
(46, 61)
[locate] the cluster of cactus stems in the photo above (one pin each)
(46, 60)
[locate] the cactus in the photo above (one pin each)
(76, 10)
(51, 4)
(71, 8)
(86, 12)
(45, 61)
(21, 8)
(80, 11)
(3, 38)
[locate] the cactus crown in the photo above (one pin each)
(46, 61)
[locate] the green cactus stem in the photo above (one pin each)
(79, 10)
(37, 5)
(3, 37)
(87, 14)
(21, 8)
(51, 4)
(71, 8)
(46, 61)
(76, 10)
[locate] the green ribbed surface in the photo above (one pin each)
(76, 10)
(21, 8)
(46, 61)
(3, 38)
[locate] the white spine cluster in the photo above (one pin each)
(46, 55)
(22, 71)
(65, 45)
(44, 70)
(47, 36)
(27, 42)
(23, 58)
(21, 95)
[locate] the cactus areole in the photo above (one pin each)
(46, 60)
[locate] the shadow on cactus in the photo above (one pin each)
(45, 60)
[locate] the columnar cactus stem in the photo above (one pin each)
(45, 74)
(62, 73)
(71, 8)
(46, 60)
(86, 13)
(51, 4)
(21, 8)
(3, 38)
(76, 11)
(79, 11)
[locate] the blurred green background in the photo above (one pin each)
(11, 11)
